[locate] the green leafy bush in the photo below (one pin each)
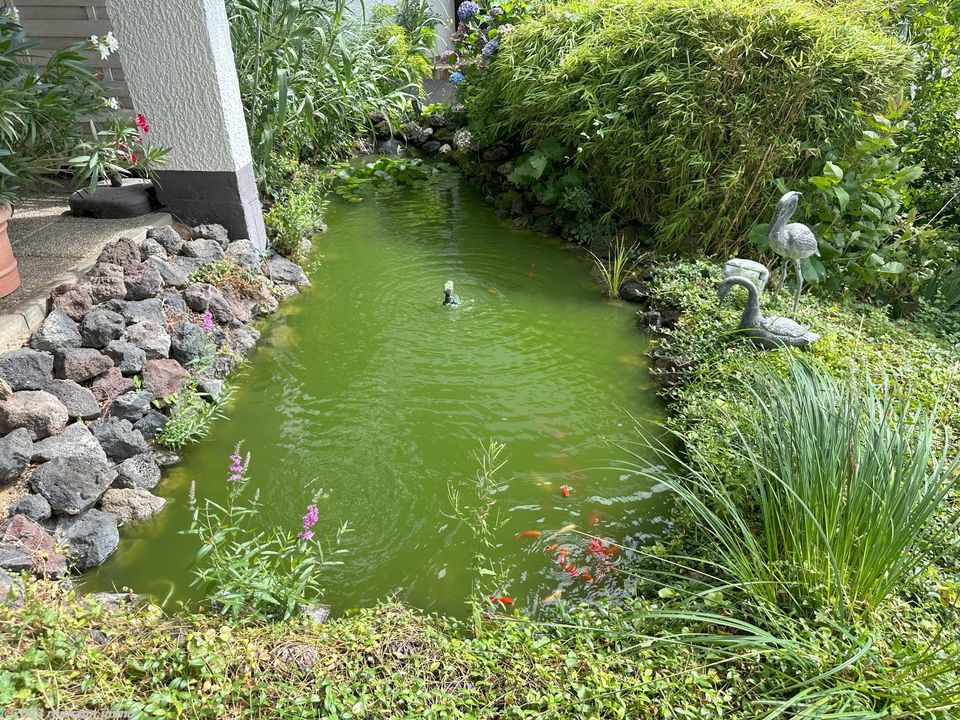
(934, 27)
(682, 113)
(311, 73)
(297, 213)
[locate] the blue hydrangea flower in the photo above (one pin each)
(490, 48)
(467, 9)
(457, 77)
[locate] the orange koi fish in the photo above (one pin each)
(551, 548)
(594, 518)
(562, 556)
(587, 576)
(565, 490)
(502, 599)
(528, 534)
(492, 291)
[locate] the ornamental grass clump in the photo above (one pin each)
(684, 112)
(845, 493)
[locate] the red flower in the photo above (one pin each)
(99, 75)
(133, 158)
(142, 123)
(121, 147)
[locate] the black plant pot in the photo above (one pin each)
(114, 202)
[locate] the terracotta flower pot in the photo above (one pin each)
(9, 275)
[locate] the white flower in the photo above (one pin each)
(957, 115)
(111, 41)
(14, 14)
(104, 51)
(113, 104)
(946, 72)
(913, 91)
(95, 39)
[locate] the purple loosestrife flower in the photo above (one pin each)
(207, 321)
(309, 520)
(457, 78)
(238, 466)
(467, 9)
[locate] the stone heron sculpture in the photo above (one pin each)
(792, 241)
(449, 299)
(768, 333)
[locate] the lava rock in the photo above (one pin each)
(106, 387)
(34, 507)
(131, 405)
(26, 369)
(24, 545)
(90, 538)
(203, 296)
(282, 270)
(142, 280)
(632, 291)
(188, 342)
(151, 248)
(57, 331)
(431, 146)
(123, 252)
(119, 439)
(39, 412)
(131, 504)
(100, 326)
(164, 377)
(138, 311)
(204, 249)
(80, 364)
(149, 425)
(126, 356)
(76, 441)
(245, 254)
(74, 300)
(189, 265)
(167, 237)
(16, 450)
(72, 485)
(106, 282)
(149, 337)
(244, 339)
(140, 471)
(78, 400)
(212, 388)
(173, 301)
(213, 231)
(171, 275)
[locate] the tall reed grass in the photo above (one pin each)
(842, 483)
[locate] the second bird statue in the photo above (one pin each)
(792, 241)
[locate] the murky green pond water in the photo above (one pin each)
(370, 396)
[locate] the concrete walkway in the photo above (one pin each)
(52, 247)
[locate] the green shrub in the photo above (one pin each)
(682, 113)
(297, 214)
(934, 26)
(311, 72)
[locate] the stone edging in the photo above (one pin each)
(91, 388)
(31, 311)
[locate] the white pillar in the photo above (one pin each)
(179, 65)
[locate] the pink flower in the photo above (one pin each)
(309, 520)
(133, 158)
(142, 123)
(238, 466)
(207, 321)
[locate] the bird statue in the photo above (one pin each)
(768, 333)
(449, 299)
(794, 241)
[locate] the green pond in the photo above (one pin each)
(370, 398)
